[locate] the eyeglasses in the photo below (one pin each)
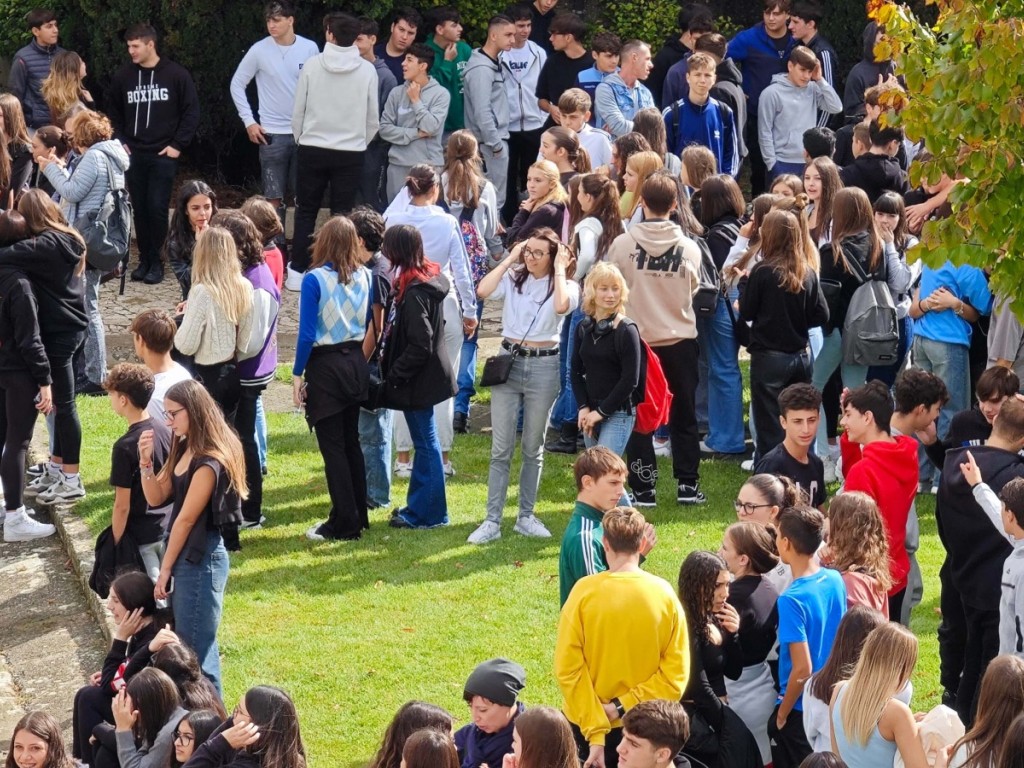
(529, 253)
(746, 508)
(169, 415)
(184, 738)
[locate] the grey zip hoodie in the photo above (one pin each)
(485, 100)
(336, 101)
(83, 191)
(402, 121)
(785, 111)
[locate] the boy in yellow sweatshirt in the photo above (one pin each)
(622, 639)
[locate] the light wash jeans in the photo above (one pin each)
(719, 349)
(151, 555)
(613, 432)
(453, 338)
(827, 360)
(198, 601)
(532, 384)
(467, 366)
(261, 432)
(375, 439)
(95, 350)
(950, 362)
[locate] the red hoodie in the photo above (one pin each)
(887, 472)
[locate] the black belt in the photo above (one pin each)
(529, 351)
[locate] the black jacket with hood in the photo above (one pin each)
(50, 261)
(153, 108)
(864, 74)
(415, 365)
(975, 550)
(21, 347)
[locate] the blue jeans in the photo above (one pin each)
(797, 169)
(198, 601)
(279, 165)
(375, 429)
(613, 432)
(888, 373)
(951, 364)
(95, 350)
(725, 382)
(261, 432)
(828, 359)
(566, 408)
(426, 505)
(467, 366)
(532, 385)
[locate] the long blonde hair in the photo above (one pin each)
(556, 192)
(603, 273)
(62, 88)
(643, 164)
(884, 667)
(216, 267)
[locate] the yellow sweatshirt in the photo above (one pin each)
(620, 635)
(660, 289)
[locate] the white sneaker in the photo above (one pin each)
(64, 490)
(404, 469)
(293, 282)
(487, 532)
(313, 533)
(663, 448)
(41, 483)
(20, 527)
(449, 470)
(830, 468)
(747, 466)
(531, 526)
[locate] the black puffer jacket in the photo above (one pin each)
(415, 365)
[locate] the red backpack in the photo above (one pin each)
(653, 410)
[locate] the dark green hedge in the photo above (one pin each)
(210, 37)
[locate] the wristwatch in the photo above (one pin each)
(618, 706)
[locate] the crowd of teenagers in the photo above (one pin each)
(593, 192)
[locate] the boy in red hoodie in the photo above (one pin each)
(885, 468)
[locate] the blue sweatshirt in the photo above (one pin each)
(710, 125)
(965, 282)
(760, 59)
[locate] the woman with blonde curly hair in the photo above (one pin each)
(607, 371)
(63, 90)
(859, 550)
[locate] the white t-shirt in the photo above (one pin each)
(165, 381)
(597, 144)
(520, 309)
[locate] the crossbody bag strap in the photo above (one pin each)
(517, 347)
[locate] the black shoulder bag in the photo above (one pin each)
(497, 368)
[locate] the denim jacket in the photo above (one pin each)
(617, 103)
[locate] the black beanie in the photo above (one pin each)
(498, 680)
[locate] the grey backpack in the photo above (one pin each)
(108, 230)
(870, 335)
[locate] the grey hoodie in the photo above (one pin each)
(386, 81)
(83, 190)
(336, 101)
(785, 111)
(402, 121)
(485, 100)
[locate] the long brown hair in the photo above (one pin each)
(758, 210)
(428, 748)
(403, 248)
(830, 184)
(42, 214)
(14, 120)
(410, 717)
(62, 88)
(43, 725)
(798, 205)
(463, 170)
(550, 238)
(547, 739)
(649, 123)
(280, 743)
(853, 630)
(208, 435)
(782, 250)
(605, 210)
(337, 244)
(857, 538)
(698, 576)
(757, 543)
(1000, 700)
(851, 215)
(155, 696)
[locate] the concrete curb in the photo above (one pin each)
(79, 546)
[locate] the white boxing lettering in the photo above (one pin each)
(144, 94)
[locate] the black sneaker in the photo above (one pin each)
(643, 499)
(690, 494)
(460, 423)
(154, 276)
(139, 273)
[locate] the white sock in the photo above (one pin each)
(71, 477)
(52, 468)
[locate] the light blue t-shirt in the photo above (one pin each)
(809, 612)
(965, 282)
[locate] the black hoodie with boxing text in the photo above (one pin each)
(153, 107)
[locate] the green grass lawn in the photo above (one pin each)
(352, 630)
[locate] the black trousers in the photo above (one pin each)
(758, 170)
(150, 178)
(612, 739)
(92, 707)
(790, 745)
(221, 381)
(679, 362)
(770, 373)
(320, 169)
(338, 438)
(60, 349)
(372, 187)
(523, 148)
(982, 646)
(952, 632)
(896, 605)
(245, 425)
(17, 418)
